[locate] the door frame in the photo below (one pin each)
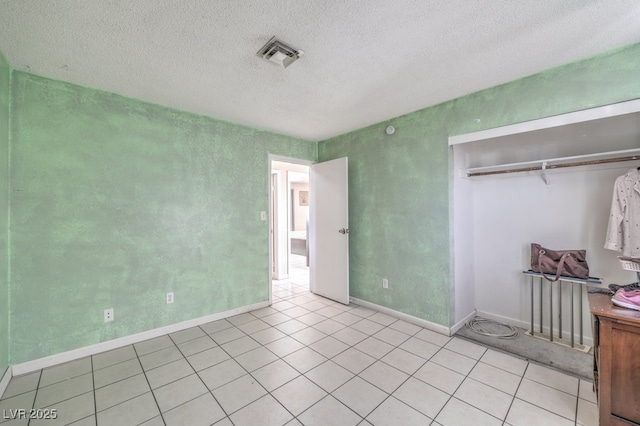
(270, 159)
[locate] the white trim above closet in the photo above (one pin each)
(597, 113)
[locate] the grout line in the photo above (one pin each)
(93, 382)
(35, 397)
(148, 384)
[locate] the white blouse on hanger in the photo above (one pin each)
(623, 232)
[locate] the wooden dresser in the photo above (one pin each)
(616, 361)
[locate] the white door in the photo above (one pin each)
(329, 230)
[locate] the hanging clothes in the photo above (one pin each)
(623, 232)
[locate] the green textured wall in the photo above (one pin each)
(5, 73)
(399, 185)
(115, 202)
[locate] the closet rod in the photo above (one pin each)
(555, 166)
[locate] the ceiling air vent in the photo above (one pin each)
(279, 53)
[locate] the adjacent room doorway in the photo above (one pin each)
(309, 229)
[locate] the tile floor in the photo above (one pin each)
(304, 360)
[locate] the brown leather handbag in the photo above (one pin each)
(568, 263)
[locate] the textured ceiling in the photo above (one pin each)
(365, 60)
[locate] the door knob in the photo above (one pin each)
(344, 231)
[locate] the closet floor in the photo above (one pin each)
(304, 360)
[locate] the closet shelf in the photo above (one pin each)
(557, 163)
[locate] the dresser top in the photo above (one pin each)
(601, 305)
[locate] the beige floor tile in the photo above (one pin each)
(550, 399)
(587, 413)
(169, 373)
(405, 327)
(458, 413)
(266, 411)
(160, 357)
(285, 346)
(65, 371)
(308, 335)
(116, 356)
(329, 375)
(329, 347)
(207, 358)
(421, 396)
(403, 360)
(454, 361)
(238, 393)
(253, 326)
(22, 384)
(384, 376)
(504, 361)
(196, 345)
(552, 378)
(256, 358)
(329, 411)
(274, 375)
(299, 394)
(395, 412)
(353, 360)
(177, 393)
(221, 374)
(130, 413)
(152, 345)
(484, 397)
(359, 395)
(116, 372)
(586, 391)
(62, 391)
(267, 335)
(329, 326)
(186, 335)
(201, 411)
(420, 347)
(523, 413)
(496, 378)
(433, 337)
(119, 392)
(466, 348)
(440, 377)
(69, 411)
(216, 326)
(304, 359)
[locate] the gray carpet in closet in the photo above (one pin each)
(539, 351)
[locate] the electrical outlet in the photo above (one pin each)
(169, 298)
(263, 215)
(108, 315)
(385, 283)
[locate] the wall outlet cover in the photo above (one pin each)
(169, 298)
(108, 315)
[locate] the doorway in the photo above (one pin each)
(289, 228)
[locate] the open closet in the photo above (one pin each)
(548, 181)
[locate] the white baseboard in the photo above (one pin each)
(4, 382)
(405, 317)
(457, 326)
(588, 340)
(38, 364)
